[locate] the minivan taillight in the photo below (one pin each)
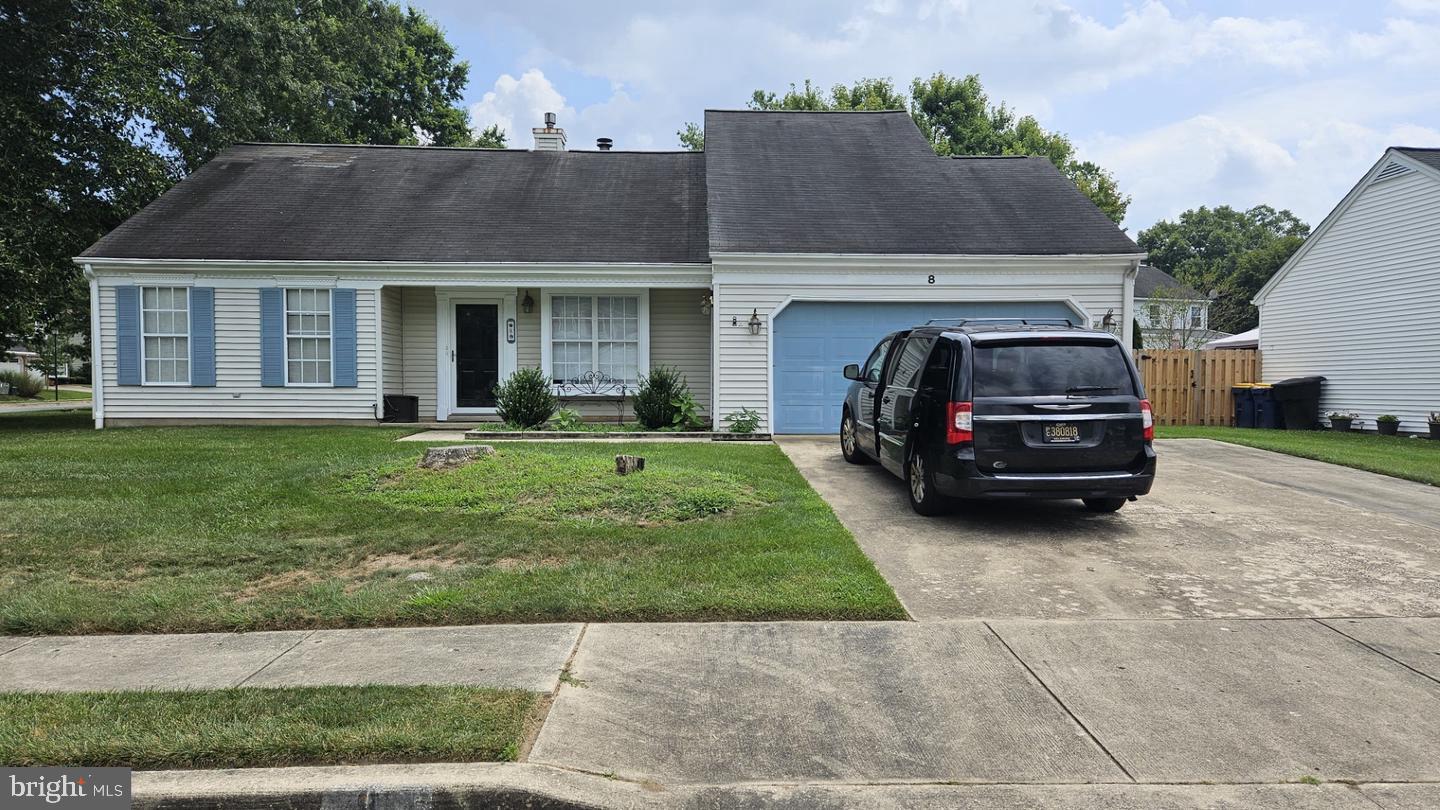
(959, 422)
(1147, 420)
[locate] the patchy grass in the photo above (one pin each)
(48, 395)
(569, 483)
(241, 728)
(245, 528)
(1398, 456)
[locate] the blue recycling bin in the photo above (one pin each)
(1267, 410)
(1244, 406)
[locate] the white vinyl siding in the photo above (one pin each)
(1359, 306)
(308, 352)
(419, 348)
(392, 337)
(238, 395)
(680, 338)
(165, 335)
(743, 375)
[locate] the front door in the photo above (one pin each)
(477, 354)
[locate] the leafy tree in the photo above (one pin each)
(106, 103)
(1232, 252)
(692, 137)
(957, 118)
(491, 137)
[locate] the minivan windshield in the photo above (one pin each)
(1038, 368)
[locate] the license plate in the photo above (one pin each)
(1061, 433)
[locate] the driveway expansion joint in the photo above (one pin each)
(1061, 703)
(1427, 676)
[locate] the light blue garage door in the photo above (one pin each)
(814, 340)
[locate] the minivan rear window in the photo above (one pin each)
(1051, 368)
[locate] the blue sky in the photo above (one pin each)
(1188, 103)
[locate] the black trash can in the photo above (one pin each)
(1299, 399)
(402, 408)
(1267, 410)
(1244, 406)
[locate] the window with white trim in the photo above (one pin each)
(307, 337)
(595, 333)
(1197, 316)
(165, 333)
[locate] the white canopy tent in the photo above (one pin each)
(1244, 340)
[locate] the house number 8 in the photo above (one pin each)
(931, 280)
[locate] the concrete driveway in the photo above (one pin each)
(1228, 532)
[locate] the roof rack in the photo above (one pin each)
(1001, 321)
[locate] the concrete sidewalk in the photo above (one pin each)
(881, 713)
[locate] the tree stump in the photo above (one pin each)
(448, 458)
(624, 465)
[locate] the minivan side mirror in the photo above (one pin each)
(852, 372)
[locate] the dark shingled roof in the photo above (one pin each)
(1150, 279)
(769, 182)
(358, 203)
(1430, 157)
(869, 183)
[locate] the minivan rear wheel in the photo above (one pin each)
(925, 497)
(850, 441)
(1104, 504)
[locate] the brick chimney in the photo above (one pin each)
(549, 138)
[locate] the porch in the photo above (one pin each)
(449, 346)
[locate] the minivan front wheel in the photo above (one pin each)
(1104, 504)
(925, 497)
(850, 441)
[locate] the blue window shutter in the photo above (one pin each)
(202, 337)
(272, 337)
(342, 308)
(127, 335)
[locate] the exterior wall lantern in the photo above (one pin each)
(755, 322)
(528, 305)
(707, 304)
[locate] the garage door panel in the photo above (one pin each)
(814, 340)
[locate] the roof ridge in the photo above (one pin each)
(995, 157)
(1416, 148)
(506, 150)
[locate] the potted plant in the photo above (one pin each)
(1388, 424)
(1342, 421)
(1434, 422)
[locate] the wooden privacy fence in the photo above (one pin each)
(1193, 387)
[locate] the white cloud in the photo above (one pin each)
(519, 104)
(1417, 6)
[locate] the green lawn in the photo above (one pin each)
(1400, 456)
(238, 728)
(48, 395)
(206, 528)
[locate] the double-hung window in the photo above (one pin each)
(165, 333)
(308, 358)
(599, 333)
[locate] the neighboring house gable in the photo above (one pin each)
(1357, 302)
(1172, 314)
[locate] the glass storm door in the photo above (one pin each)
(477, 354)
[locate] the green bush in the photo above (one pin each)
(687, 412)
(525, 399)
(569, 420)
(23, 383)
(743, 422)
(655, 400)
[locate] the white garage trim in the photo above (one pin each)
(769, 322)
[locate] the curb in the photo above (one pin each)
(366, 787)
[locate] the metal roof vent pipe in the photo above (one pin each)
(604, 144)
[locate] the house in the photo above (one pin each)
(306, 282)
(1356, 303)
(1172, 314)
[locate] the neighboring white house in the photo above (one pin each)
(1357, 302)
(1172, 314)
(306, 282)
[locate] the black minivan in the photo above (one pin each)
(1002, 409)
